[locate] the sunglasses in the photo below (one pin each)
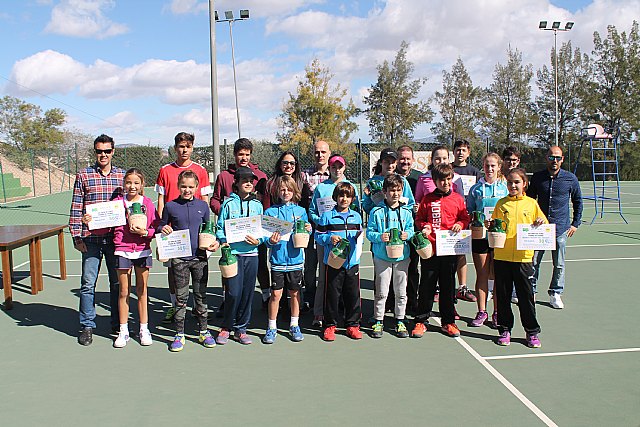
(511, 159)
(107, 151)
(556, 158)
(288, 163)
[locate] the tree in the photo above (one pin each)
(392, 114)
(460, 106)
(617, 77)
(511, 117)
(316, 112)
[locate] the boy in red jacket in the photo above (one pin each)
(440, 210)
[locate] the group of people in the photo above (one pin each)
(324, 277)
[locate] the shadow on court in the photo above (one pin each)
(634, 236)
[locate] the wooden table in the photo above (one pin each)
(15, 236)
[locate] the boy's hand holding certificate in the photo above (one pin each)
(235, 230)
(449, 242)
(538, 238)
(106, 215)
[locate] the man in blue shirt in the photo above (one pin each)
(554, 187)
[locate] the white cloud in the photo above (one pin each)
(84, 18)
(257, 8)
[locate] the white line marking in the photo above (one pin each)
(563, 353)
(601, 246)
(601, 259)
(505, 382)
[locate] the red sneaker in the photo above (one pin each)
(419, 330)
(451, 329)
(353, 332)
(329, 333)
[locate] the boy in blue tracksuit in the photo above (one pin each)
(385, 166)
(392, 214)
(287, 261)
(344, 282)
(238, 290)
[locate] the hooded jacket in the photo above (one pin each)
(368, 204)
(332, 222)
(284, 256)
(224, 185)
(442, 211)
(484, 195)
(381, 220)
(325, 190)
(234, 207)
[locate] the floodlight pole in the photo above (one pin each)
(215, 130)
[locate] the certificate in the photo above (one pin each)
(488, 212)
(450, 243)
(325, 204)
(467, 182)
(106, 214)
(235, 230)
(174, 245)
(540, 238)
(271, 225)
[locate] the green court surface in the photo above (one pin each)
(585, 374)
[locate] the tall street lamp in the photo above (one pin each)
(228, 17)
(214, 93)
(555, 27)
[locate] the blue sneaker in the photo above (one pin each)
(177, 344)
(296, 334)
(270, 336)
(207, 340)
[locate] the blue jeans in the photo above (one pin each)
(91, 261)
(238, 295)
(557, 256)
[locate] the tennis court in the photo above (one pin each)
(585, 374)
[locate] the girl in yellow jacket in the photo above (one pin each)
(514, 267)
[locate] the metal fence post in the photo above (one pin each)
(33, 173)
(4, 191)
(49, 170)
(360, 164)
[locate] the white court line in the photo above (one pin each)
(563, 353)
(602, 246)
(505, 382)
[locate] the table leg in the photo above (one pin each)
(6, 279)
(33, 270)
(39, 263)
(61, 256)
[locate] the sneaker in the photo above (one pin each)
(451, 329)
(145, 337)
(419, 330)
(296, 333)
(177, 344)
(556, 301)
(329, 333)
(401, 330)
(206, 340)
(122, 340)
(465, 294)
(223, 336)
(456, 316)
(86, 336)
(504, 338)
(242, 338)
(376, 330)
(354, 333)
(481, 317)
(494, 320)
(270, 336)
(317, 321)
(169, 315)
(533, 341)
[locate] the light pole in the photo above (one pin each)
(555, 27)
(214, 93)
(228, 17)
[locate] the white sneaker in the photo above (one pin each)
(122, 340)
(145, 337)
(556, 301)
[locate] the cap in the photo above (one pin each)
(388, 152)
(244, 172)
(334, 159)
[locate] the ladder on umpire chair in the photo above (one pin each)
(603, 145)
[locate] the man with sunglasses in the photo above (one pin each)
(554, 187)
(101, 182)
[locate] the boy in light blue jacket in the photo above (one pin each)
(382, 219)
(238, 290)
(287, 261)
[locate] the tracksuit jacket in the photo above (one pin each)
(483, 195)
(233, 207)
(381, 220)
(325, 189)
(183, 214)
(126, 241)
(441, 211)
(367, 203)
(284, 256)
(332, 222)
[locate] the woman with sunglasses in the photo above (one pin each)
(287, 165)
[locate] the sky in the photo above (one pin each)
(140, 70)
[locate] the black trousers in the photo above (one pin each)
(263, 268)
(518, 274)
(437, 269)
(342, 285)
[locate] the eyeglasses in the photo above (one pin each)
(107, 151)
(556, 158)
(512, 159)
(288, 163)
